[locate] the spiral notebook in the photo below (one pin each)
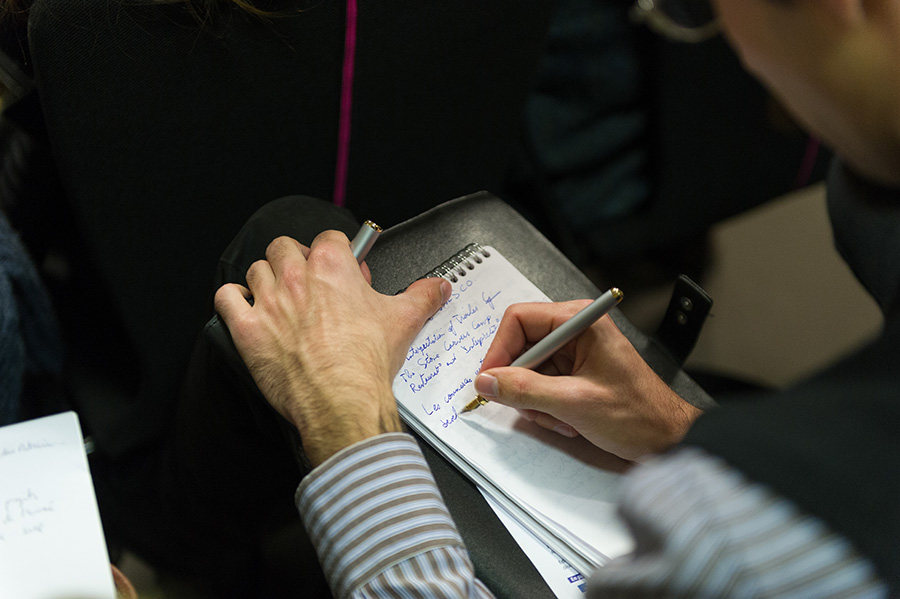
(562, 490)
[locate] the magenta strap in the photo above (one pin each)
(343, 151)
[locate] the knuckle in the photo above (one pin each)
(332, 236)
(255, 269)
(293, 278)
(329, 243)
(221, 298)
(279, 247)
(329, 250)
(514, 310)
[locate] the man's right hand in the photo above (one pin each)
(596, 386)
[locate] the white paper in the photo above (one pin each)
(51, 539)
(564, 483)
(564, 580)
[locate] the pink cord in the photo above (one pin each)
(808, 164)
(343, 152)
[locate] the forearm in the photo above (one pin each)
(380, 526)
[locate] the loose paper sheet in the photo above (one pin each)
(51, 540)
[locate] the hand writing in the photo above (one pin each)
(596, 386)
(321, 344)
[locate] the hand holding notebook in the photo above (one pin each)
(321, 344)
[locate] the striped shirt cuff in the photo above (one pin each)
(703, 530)
(371, 506)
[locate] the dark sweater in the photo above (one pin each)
(832, 444)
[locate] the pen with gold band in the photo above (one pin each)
(364, 240)
(546, 347)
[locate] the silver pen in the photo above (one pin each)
(364, 240)
(360, 245)
(549, 345)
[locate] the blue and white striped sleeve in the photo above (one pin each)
(703, 530)
(380, 526)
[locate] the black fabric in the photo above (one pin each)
(718, 145)
(168, 136)
(831, 444)
(230, 457)
(15, 62)
(29, 338)
(867, 234)
(636, 145)
(30, 191)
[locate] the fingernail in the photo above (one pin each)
(446, 290)
(487, 386)
(565, 430)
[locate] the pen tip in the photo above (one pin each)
(617, 293)
(478, 401)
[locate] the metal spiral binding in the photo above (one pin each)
(458, 265)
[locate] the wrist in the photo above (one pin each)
(332, 423)
(683, 416)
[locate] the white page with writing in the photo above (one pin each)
(51, 539)
(566, 481)
(584, 557)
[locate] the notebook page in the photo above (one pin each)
(563, 479)
(51, 540)
(563, 580)
(584, 559)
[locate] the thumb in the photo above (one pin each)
(520, 388)
(425, 297)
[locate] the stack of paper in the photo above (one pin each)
(562, 490)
